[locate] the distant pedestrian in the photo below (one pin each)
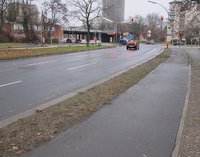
(30, 40)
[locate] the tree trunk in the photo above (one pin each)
(88, 35)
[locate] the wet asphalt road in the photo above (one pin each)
(27, 83)
(141, 122)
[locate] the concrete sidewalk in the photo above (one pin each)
(143, 121)
(189, 140)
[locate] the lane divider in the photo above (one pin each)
(82, 66)
(10, 83)
(42, 63)
(151, 51)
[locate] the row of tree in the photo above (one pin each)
(58, 12)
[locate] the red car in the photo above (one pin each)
(133, 44)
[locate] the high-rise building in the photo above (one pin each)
(180, 15)
(114, 10)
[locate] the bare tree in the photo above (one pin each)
(55, 12)
(152, 22)
(137, 26)
(86, 11)
(4, 4)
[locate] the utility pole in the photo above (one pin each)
(41, 26)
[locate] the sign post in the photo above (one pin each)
(169, 32)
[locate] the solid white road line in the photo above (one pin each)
(151, 51)
(42, 63)
(10, 83)
(82, 66)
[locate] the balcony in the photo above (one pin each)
(182, 18)
(171, 13)
(182, 13)
(171, 18)
(171, 23)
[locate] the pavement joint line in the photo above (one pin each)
(62, 98)
(183, 117)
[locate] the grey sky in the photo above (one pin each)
(135, 7)
(143, 7)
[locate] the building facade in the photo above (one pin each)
(114, 10)
(182, 16)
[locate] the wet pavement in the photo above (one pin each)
(143, 121)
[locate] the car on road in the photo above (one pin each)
(133, 44)
(151, 42)
(123, 42)
(178, 43)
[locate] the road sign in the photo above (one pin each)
(114, 30)
(169, 38)
(130, 36)
(169, 30)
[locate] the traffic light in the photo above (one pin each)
(114, 33)
(162, 17)
(165, 36)
(180, 33)
(132, 18)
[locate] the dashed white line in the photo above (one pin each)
(82, 66)
(10, 83)
(151, 51)
(42, 63)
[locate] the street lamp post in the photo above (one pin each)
(160, 5)
(165, 10)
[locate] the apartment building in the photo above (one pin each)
(114, 10)
(182, 16)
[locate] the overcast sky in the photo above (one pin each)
(136, 7)
(143, 7)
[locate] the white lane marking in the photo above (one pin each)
(151, 51)
(10, 83)
(82, 66)
(42, 63)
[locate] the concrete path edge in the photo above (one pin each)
(180, 130)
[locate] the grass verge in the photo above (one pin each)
(21, 53)
(39, 128)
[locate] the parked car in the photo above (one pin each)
(82, 42)
(150, 42)
(123, 42)
(92, 42)
(78, 41)
(133, 44)
(178, 43)
(98, 42)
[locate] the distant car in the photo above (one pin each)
(92, 42)
(133, 44)
(178, 43)
(98, 42)
(123, 42)
(150, 42)
(82, 42)
(78, 41)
